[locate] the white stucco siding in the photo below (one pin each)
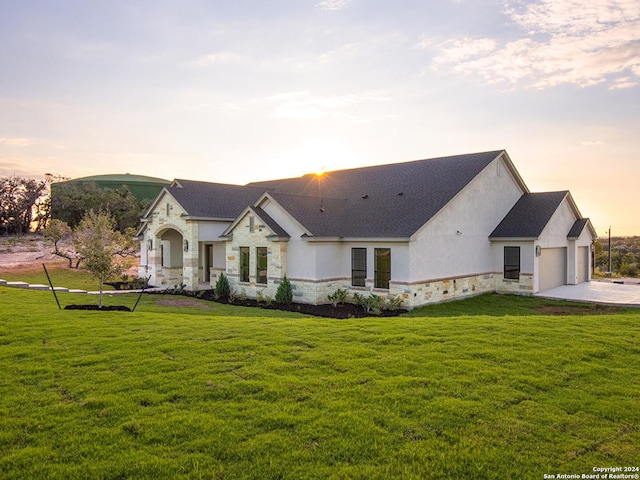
(332, 261)
(210, 231)
(527, 256)
(555, 233)
(301, 257)
(439, 251)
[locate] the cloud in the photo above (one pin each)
(304, 105)
(564, 41)
(592, 143)
(15, 142)
(220, 57)
(333, 5)
(624, 82)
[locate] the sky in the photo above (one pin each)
(247, 90)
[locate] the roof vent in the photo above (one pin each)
(401, 194)
(365, 196)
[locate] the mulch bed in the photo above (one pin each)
(346, 310)
(105, 308)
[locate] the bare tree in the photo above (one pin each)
(21, 203)
(60, 234)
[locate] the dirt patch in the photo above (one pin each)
(586, 309)
(28, 252)
(175, 301)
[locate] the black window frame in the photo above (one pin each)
(358, 267)
(245, 260)
(382, 270)
(262, 264)
(511, 266)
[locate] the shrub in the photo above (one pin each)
(338, 297)
(284, 294)
(260, 298)
(393, 304)
(371, 304)
(222, 289)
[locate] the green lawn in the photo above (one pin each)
(487, 388)
(60, 274)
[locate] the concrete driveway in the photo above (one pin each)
(627, 294)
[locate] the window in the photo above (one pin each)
(512, 263)
(358, 267)
(382, 268)
(244, 264)
(261, 265)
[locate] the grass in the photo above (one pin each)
(61, 276)
(487, 388)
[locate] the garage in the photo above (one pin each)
(583, 264)
(552, 268)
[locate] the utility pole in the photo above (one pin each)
(610, 250)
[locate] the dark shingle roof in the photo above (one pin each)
(577, 228)
(391, 201)
(270, 222)
(382, 201)
(213, 200)
(529, 216)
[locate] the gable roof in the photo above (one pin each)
(578, 228)
(276, 230)
(383, 201)
(390, 201)
(212, 200)
(529, 216)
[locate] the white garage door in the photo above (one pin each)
(553, 268)
(583, 264)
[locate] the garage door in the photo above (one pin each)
(583, 264)
(552, 268)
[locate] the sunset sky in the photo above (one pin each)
(247, 90)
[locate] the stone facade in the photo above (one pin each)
(251, 233)
(415, 294)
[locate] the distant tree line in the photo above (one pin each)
(26, 204)
(73, 200)
(625, 256)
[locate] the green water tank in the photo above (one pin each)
(141, 186)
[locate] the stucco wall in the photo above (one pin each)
(439, 251)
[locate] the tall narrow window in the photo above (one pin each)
(358, 267)
(382, 268)
(261, 265)
(512, 263)
(244, 264)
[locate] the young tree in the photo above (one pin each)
(103, 248)
(284, 294)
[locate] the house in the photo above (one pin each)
(426, 231)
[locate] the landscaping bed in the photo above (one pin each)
(342, 310)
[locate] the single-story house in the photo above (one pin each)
(426, 231)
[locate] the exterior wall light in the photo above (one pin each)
(186, 245)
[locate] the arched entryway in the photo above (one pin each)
(171, 244)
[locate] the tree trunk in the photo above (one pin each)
(100, 301)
